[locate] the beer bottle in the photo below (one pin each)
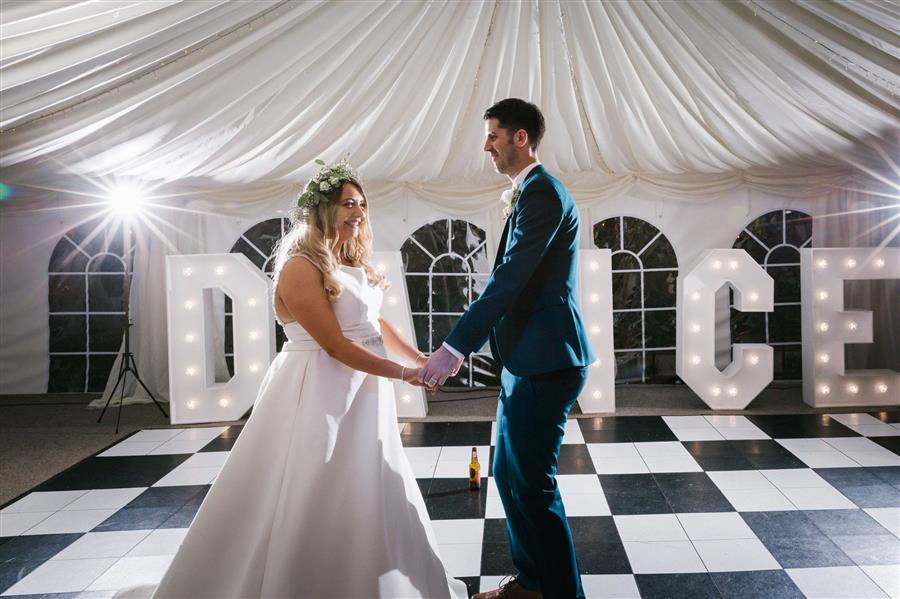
(474, 472)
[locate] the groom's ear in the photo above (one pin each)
(520, 138)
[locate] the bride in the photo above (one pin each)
(317, 498)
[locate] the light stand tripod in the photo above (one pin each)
(127, 363)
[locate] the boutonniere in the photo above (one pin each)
(509, 199)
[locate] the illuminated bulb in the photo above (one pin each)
(253, 335)
(191, 404)
(824, 389)
(220, 270)
(716, 391)
(597, 394)
(595, 298)
(850, 263)
(822, 263)
(852, 388)
(595, 330)
(189, 305)
(187, 272)
(695, 328)
(733, 265)
(852, 325)
(879, 262)
(224, 402)
(716, 264)
(823, 295)
(251, 302)
(732, 391)
(695, 359)
(695, 296)
(754, 359)
(254, 367)
(189, 338)
(881, 388)
(392, 299)
(190, 371)
(824, 358)
(594, 265)
(823, 326)
(753, 296)
(406, 398)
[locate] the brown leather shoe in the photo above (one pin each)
(509, 590)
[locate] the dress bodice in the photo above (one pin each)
(357, 310)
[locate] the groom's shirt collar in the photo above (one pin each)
(520, 178)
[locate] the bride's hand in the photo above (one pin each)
(411, 376)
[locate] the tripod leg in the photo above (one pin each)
(141, 383)
(121, 403)
(119, 380)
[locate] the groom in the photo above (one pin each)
(529, 311)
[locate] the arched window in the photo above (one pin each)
(446, 267)
(645, 271)
(258, 244)
(87, 309)
(774, 240)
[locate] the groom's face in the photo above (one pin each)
(499, 144)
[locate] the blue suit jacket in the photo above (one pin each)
(529, 307)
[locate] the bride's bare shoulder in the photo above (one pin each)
(300, 268)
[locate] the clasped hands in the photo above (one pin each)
(433, 372)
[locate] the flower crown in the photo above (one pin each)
(330, 178)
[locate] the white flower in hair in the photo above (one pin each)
(324, 186)
(335, 181)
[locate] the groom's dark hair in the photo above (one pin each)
(513, 114)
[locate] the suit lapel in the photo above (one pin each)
(501, 246)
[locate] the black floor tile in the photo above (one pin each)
(495, 531)
(450, 499)
(624, 502)
(182, 518)
(883, 495)
(29, 548)
(692, 492)
(870, 550)
(889, 416)
(496, 560)
(625, 429)
(14, 571)
(845, 522)
(766, 454)
(468, 433)
(790, 524)
(594, 529)
(575, 459)
(889, 474)
(424, 434)
(168, 496)
(606, 436)
(114, 473)
(676, 586)
(225, 441)
(799, 426)
(136, 518)
(713, 463)
(889, 443)
(684, 481)
(757, 584)
(602, 558)
(849, 477)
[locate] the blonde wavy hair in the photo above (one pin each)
(313, 235)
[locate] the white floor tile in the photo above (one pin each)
(12, 525)
(852, 444)
(177, 446)
(461, 559)
(423, 460)
(452, 532)
(825, 459)
(103, 544)
(70, 521)
(804, 445)
(572, 434)
(735, 555)
(743, 434)
(129, 449)
(678, 463)
(453, 461)
(610, 586)
(853, 419)
(882, 429)
(686, 422)
(207, 459)
(61, 576)
(188, 476)
(698, 434)
(821, 498)
(158, 436)
(711, 526)
(650, 527)
(493, 433)
(620, 466)
(585, 504)
(42, 501)
(606, 451)
(721, 421)
(883, 457)
(888, 517)
(740, 479)
(795, 478)
(132, 571)
(491, 582)
(201, 433)
(661, 449)
(663, 557)
(162, 541)
(105, 499)
(758, 500)
(493, 508)
(834, 583)
(578, 483)
(887, 577)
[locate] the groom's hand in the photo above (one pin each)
(441, 365)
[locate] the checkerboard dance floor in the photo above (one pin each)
(693, 506)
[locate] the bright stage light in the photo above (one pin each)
(126, 200)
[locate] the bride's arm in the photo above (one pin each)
(397, 344)
(302, 291)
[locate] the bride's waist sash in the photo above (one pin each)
(366, 335)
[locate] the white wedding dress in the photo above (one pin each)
(317, 498)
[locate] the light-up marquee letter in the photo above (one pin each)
(827, 327)
(595, 285)
(194, 395)
(751, 367)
